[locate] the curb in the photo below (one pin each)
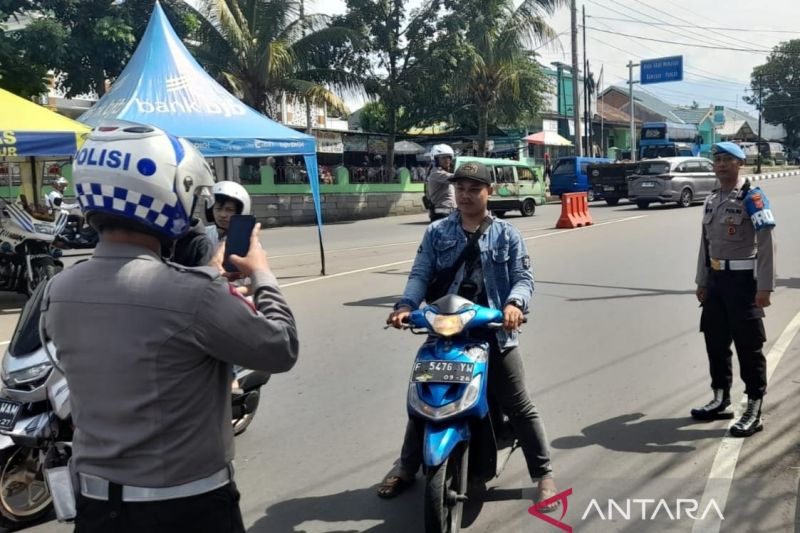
(772, 175)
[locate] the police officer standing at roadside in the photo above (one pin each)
(735, 278)
(440, 191)
(147, 346)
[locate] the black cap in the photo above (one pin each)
(472, 170)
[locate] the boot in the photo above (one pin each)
(750, 422)
(717, 409)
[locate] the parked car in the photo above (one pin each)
(516, 185)
(772, 151)
(570, 175)
(683, 180)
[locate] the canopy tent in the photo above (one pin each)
(164, 86)
(30, 130)
(408, 148)
(548, 138)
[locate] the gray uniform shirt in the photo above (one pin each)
(147, 348)
(440, 191)
(731, 235)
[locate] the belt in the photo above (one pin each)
(96, 488)
(732, 264)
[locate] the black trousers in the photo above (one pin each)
(730, 315)
(213, 512)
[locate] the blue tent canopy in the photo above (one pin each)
(164, 86)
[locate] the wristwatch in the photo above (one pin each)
(516, 303)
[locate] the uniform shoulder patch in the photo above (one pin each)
(757, 206)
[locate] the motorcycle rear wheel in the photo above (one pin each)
(24, 496)
(445, 492)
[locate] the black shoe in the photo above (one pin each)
(717, 409)
(750, 422)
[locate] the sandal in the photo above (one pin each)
(545, 494)
(392, 485)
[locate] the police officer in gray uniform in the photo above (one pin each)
(439, 188)
(735, 277)
(147, 346)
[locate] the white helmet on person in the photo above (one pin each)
(441, 150)
(223, 191)
(140, 177)
(60, 183)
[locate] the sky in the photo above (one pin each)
(711, 75)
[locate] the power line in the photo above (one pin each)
(689, 22)
(751, 50)
(661, 22)
(700, 27)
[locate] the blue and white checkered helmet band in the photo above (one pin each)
(116, 200)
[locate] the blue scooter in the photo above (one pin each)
(467, 439)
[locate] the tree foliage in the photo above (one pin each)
(261, 49)
(779, 79)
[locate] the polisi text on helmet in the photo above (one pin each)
(103, 158)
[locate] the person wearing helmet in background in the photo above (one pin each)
(440, 190)
(229, 198)
(147, 346)
(735, 278)
(55, 198)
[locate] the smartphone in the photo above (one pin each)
(237, 241)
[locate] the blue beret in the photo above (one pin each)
(729, 148)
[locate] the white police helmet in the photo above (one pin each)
(440, 150)
(228, 190)
(60, 182)
(142, 175)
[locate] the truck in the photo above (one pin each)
(610, 180)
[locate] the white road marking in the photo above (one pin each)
(386, 265)
(720, 478)
(4, 343)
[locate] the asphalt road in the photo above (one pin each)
(614, 363)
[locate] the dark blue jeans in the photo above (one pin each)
(507, 385)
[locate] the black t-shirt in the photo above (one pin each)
(472, 286)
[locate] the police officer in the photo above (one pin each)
(735, 277)
(55, 198)
(440, 191)
(147, 346)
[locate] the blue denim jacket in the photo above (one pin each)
(507, 270)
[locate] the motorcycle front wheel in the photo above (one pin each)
(445, 492)
(42, 269)
(24, 496)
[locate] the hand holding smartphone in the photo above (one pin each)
(237, 241)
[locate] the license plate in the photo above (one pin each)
(608, 187)
(442, 372)
(647, 184)
(9, 410)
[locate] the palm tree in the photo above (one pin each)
(499, 37)
(261, 49)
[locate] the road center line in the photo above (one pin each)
(386, 265)
(720, 478)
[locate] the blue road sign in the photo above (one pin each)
(719, 115)
(661, 69)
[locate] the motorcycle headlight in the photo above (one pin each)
(449, 325)
(27, 375)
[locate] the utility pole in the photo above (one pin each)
(631, 64)
(586, 147)
(760, 114)
(576, 102)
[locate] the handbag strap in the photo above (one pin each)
(473, 240)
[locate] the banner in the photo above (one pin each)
(329, 142)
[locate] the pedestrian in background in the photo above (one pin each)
(735, 278)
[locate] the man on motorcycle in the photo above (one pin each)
(496, 273)
(55, 198)
(229, 198)
(147, 346)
